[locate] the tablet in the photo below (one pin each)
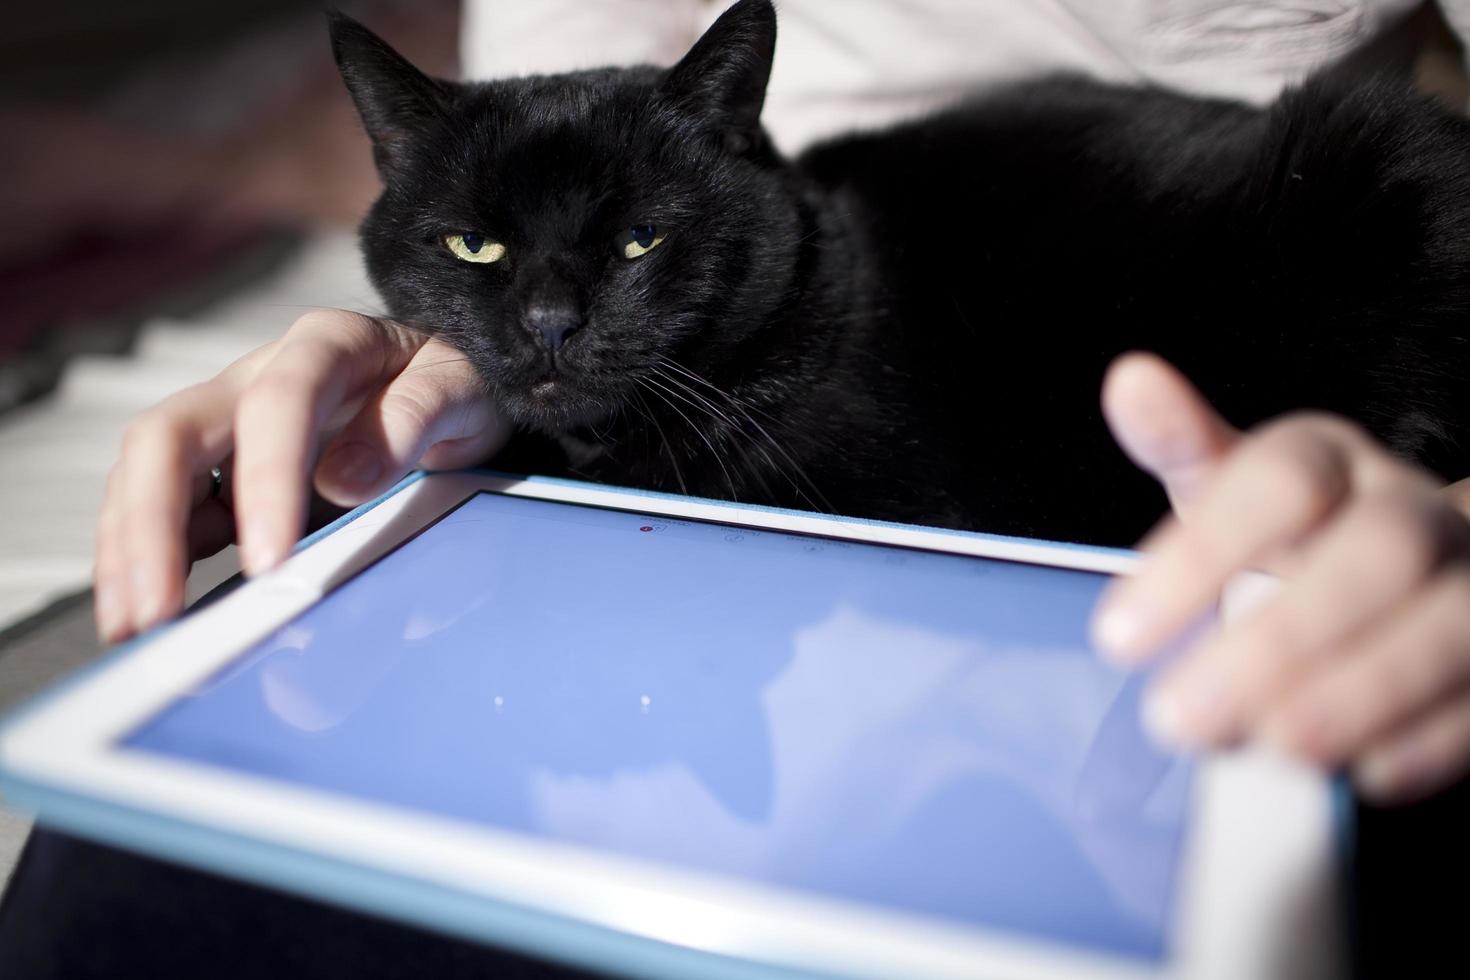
(662, 736)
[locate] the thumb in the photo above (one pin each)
(1165, 425)
(435, 413)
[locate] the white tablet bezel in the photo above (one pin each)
(1257, 876)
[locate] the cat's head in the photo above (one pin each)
(569, 232)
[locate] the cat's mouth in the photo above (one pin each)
(548, 388)
(552, 402)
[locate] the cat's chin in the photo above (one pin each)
(551, 405)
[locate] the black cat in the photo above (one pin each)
(914, 324)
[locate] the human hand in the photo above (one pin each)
(1362, 658)
(382, 397)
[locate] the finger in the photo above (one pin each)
(1388, 677)
(324, 360)
(1165, 425)
(111, 599)
(129, 539)
(1459, 493)
(1364, 564)
(1275, 488)
(141, 549)
(1426, 756)
(436, 412)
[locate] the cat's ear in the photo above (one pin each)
(721, 82)
(395, 100)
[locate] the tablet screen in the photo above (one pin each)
(914, 730)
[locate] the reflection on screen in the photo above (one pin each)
(919, 731)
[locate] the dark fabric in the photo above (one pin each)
(76, 909)
(1412, 887)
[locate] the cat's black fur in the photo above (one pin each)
(914, 324)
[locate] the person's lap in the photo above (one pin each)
(78, 909)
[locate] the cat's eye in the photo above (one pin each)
(637, 240)
(474, 247)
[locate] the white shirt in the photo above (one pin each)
(848, 64)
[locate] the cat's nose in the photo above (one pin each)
(554, 324)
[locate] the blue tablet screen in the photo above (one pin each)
(911, 730)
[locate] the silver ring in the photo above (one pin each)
(216, 482)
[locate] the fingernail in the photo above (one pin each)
(1305, 731)
(355, 465)
(109, 613)
(1186, 713)
(147, 600)
(259, 552)
(1117, 629)
(153, 613)
(1162, 718)
(1378, 777)
(1389, 774)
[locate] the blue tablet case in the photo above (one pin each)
(424, 904)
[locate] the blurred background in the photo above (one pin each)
(149, 142)
(178, 182)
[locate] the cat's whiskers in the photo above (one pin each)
(673, 459)
(745, 409)
(739, 404)
(810, 239)
(750, 469)
(745, 413)
(663, 392)
(704, 403)
(612, 422)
